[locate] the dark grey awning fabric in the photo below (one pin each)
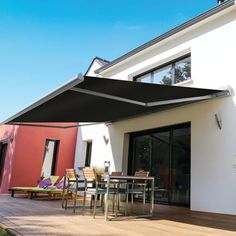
(90, 99)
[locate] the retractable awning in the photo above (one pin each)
(91, 99)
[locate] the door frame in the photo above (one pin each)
(3, 154)
(54, 155)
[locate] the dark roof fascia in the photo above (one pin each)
(170, 33)
(101, 60)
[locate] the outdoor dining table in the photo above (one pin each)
(109, 179)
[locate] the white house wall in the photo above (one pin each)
(213, 151)
(101, 147)
(213, 171)
(94, 66)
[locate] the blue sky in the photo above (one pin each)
(45, 43)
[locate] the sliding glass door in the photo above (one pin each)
(166, 154)
(180, 167)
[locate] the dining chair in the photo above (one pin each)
(137, 187)
(72, 185)
(99, 187)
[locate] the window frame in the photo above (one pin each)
(169, 63)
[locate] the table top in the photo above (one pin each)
(131, 177)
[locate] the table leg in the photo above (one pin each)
(152, 197)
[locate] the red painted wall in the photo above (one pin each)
(7, 131)
(27, 150)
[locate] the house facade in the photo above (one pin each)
(27, 153)
(189, 149)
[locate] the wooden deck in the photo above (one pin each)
(42, 217)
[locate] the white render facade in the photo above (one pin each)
(212, 45)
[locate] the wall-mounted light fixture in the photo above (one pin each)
(218, 120)
(106, 140)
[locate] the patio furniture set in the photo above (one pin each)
(104, 189)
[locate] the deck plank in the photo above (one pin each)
(42, 217)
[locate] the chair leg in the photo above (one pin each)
(132, 201)
(113, 202)
(95, 205)
(132, 197)
(66, 200)
(100, 197)
(31, 195)
(65, 191)
(118, 198)
(68, 194)
(84, 201)
(91, 201)
(117, 203)
(144, 196)
(63, 199)
(75, 199)
(126, 205)
(102, 202)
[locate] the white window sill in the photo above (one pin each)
(189, 81)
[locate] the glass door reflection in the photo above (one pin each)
(166, 154)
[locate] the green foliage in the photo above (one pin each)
(99, 170)
(3, 232)
(167, 80)
(181, 73)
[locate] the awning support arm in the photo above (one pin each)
(224, 93)
(151, 104)
(103, 95)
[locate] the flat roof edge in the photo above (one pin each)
(169, 33)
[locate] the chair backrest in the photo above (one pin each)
(116, 173)
(89, 174)
(141, 173)
(71, 174)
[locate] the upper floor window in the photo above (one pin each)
(172, 73)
